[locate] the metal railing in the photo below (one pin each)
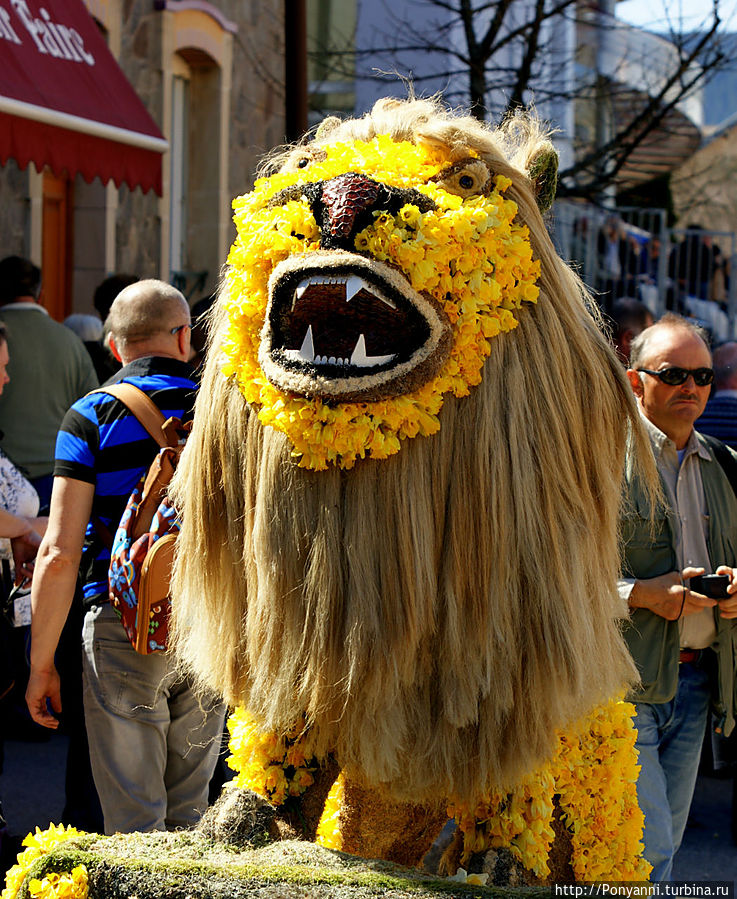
(631, 252)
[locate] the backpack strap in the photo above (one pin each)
(724, 458)
(149, 416)
(142, 407)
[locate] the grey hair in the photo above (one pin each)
(638, 348)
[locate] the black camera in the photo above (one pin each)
(712, 585)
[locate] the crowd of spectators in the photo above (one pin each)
(57, 433)
(45, 369)
(690, 276)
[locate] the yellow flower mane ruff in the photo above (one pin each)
(328, 830)
(593, 773)
(470, 255)
(61, 885)
(274, 768)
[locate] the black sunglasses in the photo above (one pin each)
(675, 376)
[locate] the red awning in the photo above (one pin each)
(65, 102)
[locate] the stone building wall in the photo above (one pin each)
(257, 106)
(14, 206)
(256, 112)
(255, 123)
(137, 235)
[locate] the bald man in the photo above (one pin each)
(153, 743)
(720, 416)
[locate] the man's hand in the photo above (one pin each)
(25, 547)
(728, 607)
(668, 595)
(43, 685)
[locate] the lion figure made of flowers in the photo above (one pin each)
(401, 492)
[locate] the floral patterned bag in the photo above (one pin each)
(143, 545)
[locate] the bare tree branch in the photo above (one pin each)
(525, 70)
(491, 54)
(626, 140)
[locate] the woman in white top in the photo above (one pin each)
(20, 535)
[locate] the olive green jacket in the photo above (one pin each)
(649, 552)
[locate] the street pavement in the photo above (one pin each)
(708, 851)
(32, 783)
(32, 791)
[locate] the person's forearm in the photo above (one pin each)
(52, 592)
(14, 525)
(39, 523)
(54, 582)
(668, 595)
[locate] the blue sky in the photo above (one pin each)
(657, 14)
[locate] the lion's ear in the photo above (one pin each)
(543, 173)
(326, 126)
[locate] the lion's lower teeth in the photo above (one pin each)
(360, 358)
(306, 353)
(307, 350)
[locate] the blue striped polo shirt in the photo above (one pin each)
(104, 444)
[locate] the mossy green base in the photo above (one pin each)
(187, 866)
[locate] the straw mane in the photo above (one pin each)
(436, 616)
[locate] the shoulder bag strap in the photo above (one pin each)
(150, 417)
(724, 458)
(142, 406)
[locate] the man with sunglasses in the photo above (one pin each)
(681, 640)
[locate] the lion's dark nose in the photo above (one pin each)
(343, 199)
(346, 204)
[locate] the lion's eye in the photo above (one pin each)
(301, 158)
(466, 178)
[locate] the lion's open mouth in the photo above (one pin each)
(340, 326)
(332, 314)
